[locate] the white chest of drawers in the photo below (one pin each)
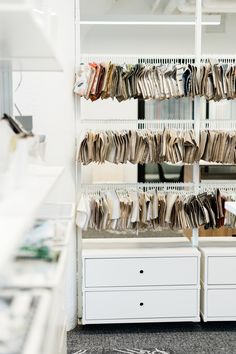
(218, 279)
(134, 280)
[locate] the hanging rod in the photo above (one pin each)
(122, 124)
(138, 58)
(164, 187)
(226, 186)
(146, 186)
(218, 124)
(226, 59)
(154, 58)
(137, 124)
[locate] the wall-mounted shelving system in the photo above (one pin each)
(87, 311)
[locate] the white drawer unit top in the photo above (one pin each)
(148, 247)
(123, 305)
(116, 272)
(222, 246)
(218, 262)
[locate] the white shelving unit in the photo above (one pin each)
(43, 275)
(218, 281)
(36, 338)
(28, 42)
(122, 301)
(157, 59)
(103, 277)
(39, 336)
(18, 210)
(28, 32)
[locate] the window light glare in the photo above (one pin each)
(38, 11)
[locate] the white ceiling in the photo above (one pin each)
(151, 39)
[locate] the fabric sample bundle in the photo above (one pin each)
(122, 210)
(147, 146)
(215, 81)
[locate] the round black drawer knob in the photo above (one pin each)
(141, 304)
(141, 271)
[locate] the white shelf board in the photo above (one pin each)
(231, 206)
(19, 209)
(36, 332)
(26, 36)
(35, 273)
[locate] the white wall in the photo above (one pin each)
(221, 42)
(138, 40)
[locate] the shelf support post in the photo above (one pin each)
(197, 103)
(77, 108)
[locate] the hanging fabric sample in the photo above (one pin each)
(124, 210)
(123, 82)
(148, 146)
(215, 81)
(138, 146)
(218, 146)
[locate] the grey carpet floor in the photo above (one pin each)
(171, 338)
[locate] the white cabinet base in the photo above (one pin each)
(143, 320)
(129, 282)
(218, 290)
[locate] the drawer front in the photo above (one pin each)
(221, 270)
(141, 271)
(141, 304)
(221, 302)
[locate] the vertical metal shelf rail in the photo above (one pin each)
(77, 111)
(197, 100)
